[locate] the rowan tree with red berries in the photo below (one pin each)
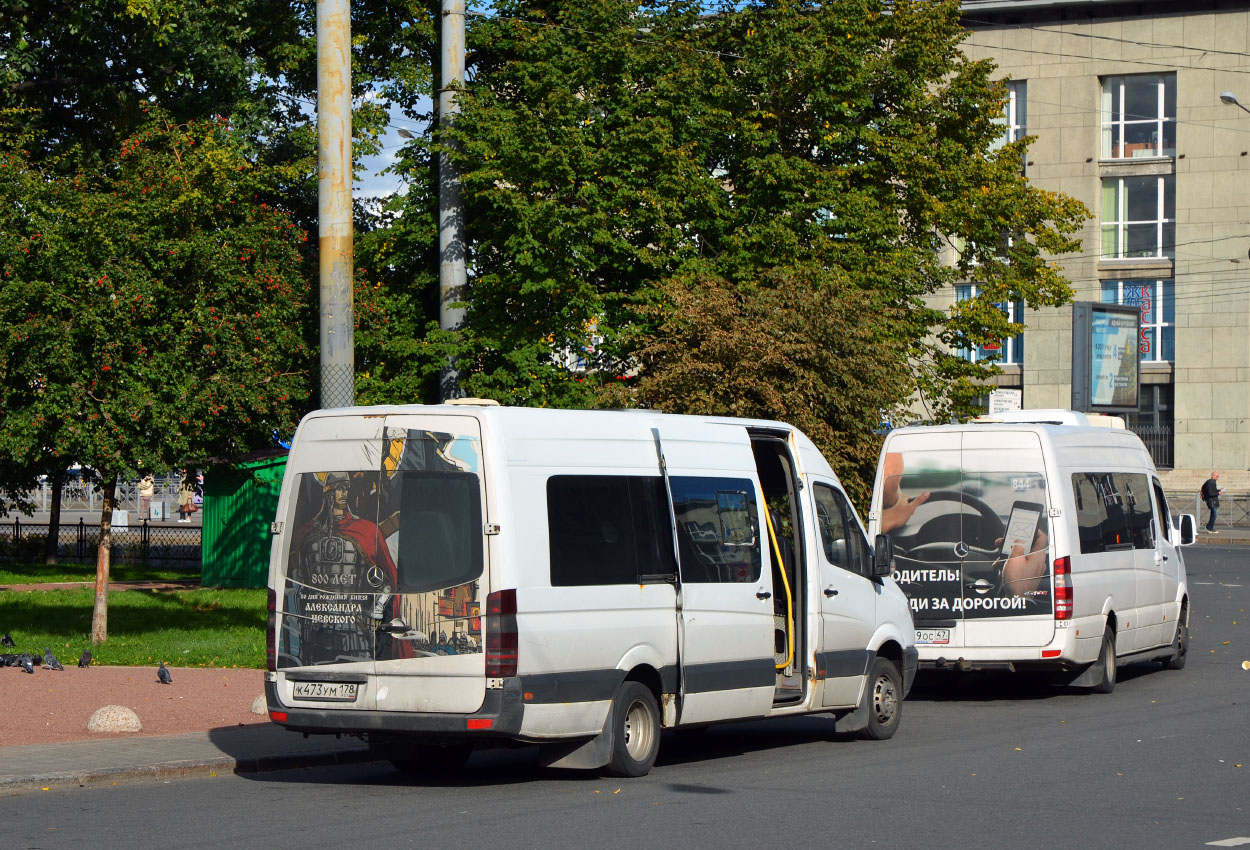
(153, 308)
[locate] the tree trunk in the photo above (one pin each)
(52, 541)
(100, 614)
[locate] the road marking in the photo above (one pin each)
(1229, 842)
(1204, 582)
(1232, 585)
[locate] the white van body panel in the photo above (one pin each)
(1135, 582)
(380, 502)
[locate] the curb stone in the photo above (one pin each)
(183, 770)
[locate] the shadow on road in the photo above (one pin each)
(932, 686)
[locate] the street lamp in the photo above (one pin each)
(1229, 97)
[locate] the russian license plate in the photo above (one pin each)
(342, 691)
(933, 637)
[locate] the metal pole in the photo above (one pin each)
(334, 201)
(451, 267)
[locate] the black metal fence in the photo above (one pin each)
(154, 545)
(1158, 440)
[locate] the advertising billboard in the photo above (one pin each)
(1106, 361)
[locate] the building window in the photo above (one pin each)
(1157, 301)
(1139, 116)
(1138, 217)
(1013, 119)
(1010, 350)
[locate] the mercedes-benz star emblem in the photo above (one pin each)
(374, 576)
(961, 550)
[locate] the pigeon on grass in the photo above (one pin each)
(50, 661)
(162, 675)
(7, 640)
(84, 660)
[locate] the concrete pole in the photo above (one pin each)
(334, 201)
(451, 266)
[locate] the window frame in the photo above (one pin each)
(1012, 346)
(1116, 224)
(1117, 126)
(1157, 342)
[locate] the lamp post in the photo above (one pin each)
(334, 202)
(1229, 97)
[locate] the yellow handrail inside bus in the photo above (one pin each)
(785, 580)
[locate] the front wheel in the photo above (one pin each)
(1180, 646)
(884, 695)
(1106, 663)
(635, 731)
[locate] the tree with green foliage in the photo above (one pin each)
(151, 308)
(85, 72)
(635, 173)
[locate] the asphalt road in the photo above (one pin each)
(1164, 761)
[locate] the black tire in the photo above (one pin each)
(883, 696)
(1180, 646)
(1106, 663)
(430, 760)
(635, 731)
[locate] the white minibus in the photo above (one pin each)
(1038, 540)
(451, 576)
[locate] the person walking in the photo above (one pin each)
(186, 497)
(1211, 491)
(147, 489)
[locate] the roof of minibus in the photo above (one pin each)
(502, 412)
(536, 417)
(1058, 436)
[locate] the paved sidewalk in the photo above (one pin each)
(1224, 536)
(242, 749)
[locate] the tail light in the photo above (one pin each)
(271, 632)
(501, 634)
(1063, 588)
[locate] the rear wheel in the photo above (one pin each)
(1180, 646)
(1106, 663)
(635, 731)
(884, 696)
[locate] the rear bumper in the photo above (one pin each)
(498, 717)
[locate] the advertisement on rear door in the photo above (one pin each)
(385, 563)
(968, 543)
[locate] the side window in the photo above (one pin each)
(718, 529)
(1163, 516)
(607, 529)
(1090, 513)
(840, 536)
(832, 527)
(1105, 506)
(1136, 492)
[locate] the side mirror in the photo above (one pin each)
(1188, 524)
(883, 556)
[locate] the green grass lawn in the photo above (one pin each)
(43, 573)
(189, 628)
